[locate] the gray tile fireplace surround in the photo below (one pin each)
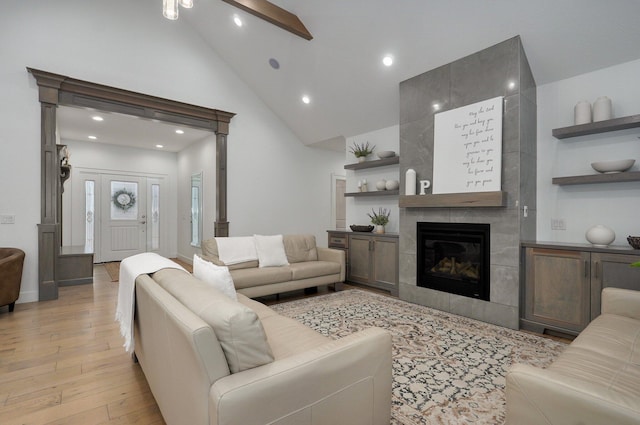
(480, 76)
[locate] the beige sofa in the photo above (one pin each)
(596, 380)
(309, 266)
(211, 360)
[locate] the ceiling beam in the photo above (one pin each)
(274, 15)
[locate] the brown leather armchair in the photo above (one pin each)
(11, 262)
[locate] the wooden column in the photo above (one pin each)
(221, 225)
(49, 227)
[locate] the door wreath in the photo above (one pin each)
(124, 199)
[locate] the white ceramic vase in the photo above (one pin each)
(381, 184)
(600, 235)
(379, 228)
(602, 109)
(410, 182)
(582, 113)
(392, 184)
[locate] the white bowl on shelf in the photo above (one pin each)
(386, 154)
(616, 166)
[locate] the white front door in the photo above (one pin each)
(124, 217)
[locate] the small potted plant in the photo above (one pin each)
(361, 151)
(380, 219)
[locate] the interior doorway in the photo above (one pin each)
(338, 202)
(115, 215)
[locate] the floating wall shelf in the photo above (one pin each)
(372, 193)
(454, 200)
(373, 164)
(629, 176)
(624, 123)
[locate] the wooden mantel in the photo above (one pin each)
(454, 200)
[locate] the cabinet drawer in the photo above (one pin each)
(338, 241)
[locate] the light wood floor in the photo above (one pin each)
(62, 362)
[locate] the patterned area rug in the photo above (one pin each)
(447, 369)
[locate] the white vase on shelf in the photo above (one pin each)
(600, 235)
(410, 182)
(602, 109)
(582, 113)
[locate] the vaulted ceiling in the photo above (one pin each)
(341, 68)
(351, 92)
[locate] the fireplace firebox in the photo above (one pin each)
(454, 258)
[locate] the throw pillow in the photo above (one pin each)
(271, 251)
(237, 327)
(213, 275)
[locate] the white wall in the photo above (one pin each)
(616, 205)
(386, 139)
(275, 183)
(199, 157)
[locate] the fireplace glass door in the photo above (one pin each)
(454, 258)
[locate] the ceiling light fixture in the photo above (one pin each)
(237, 20)
(387, 60)
(306, 99)
(179, 131)
(159, 146)
(97, 118)
(170, 7)
(92, 137)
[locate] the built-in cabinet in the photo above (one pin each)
(599, 127)
(372, 258)
(562, 284)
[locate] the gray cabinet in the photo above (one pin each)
(372, 259)
(562, 285)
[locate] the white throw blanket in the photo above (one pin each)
(130, 269)
(237, 249)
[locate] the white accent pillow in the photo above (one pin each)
(271, 251)
(216, 276)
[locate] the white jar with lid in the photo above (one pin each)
(602, 109)
(582, 113)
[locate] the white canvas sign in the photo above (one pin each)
(467, 148)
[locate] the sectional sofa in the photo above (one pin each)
(595, 381)
(308, 266)
(210, 360)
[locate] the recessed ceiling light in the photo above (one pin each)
(436, 106)
(159, 146)
(97, 118)
(306, 99)
(237, 20)
(92, 137)
(512, 85)
(179, 131)
(387, 60)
